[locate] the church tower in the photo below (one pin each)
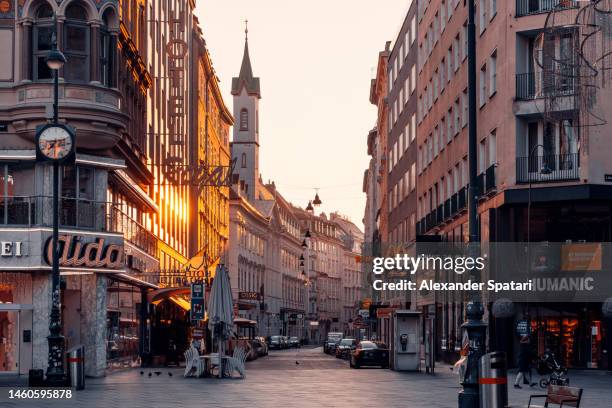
(245, 144)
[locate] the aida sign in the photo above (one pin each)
(76, 251)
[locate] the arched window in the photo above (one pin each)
(244, 163)
(42, 42)
(76, 44)
(244, 119)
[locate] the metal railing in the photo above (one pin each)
(447, 209)
(454, 205)
(30, 211)
(556, 82)
(133, 231)
(550, 167)
(528, 7)
(462, 199)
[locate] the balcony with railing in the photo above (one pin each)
(534, 85)
(529, 7)
(486, 181)
(36, 211)
(133, 231)
(548, 168)
(28, 211)
(445, 211)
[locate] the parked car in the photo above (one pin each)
(275, 343)
(344, 348)
(260, 346)
(294, 342)
(333, 338)
(368, 353)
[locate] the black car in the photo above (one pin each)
(368, 353)
(344, 348)
(276, 343)
(294, 342)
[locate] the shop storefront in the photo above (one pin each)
(15, 323)
(576, 333)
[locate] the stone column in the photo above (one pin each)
(95, 53)
(60, 40)
(93, 323)
(114, 57)
(41, 302)
(26, 50)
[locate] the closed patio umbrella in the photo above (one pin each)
(221, 310)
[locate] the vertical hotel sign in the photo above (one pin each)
(176, 51)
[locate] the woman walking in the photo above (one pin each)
(524, 361)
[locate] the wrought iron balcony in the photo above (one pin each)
(528, 7)
(559, 81)
(550, 167)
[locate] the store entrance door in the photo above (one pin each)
(15, 339)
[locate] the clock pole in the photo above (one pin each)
(55, 370)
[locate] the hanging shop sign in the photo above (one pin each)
(197, 301)
(75, 251)
(249, 296)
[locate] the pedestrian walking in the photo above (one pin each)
(524, 361)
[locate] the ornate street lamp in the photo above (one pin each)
(55, 143)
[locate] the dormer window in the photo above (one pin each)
(244, 119)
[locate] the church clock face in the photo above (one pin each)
(55, 142)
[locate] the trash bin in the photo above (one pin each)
(493, 380)
(76, 367)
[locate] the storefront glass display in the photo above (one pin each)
(123, 322)
(576, 336)
(15, 318)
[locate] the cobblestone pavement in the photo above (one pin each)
(276, 381)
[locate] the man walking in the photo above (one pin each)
(524, 361)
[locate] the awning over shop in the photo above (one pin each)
(177, 295)
(130, 280)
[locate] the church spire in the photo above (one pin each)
(246, 78)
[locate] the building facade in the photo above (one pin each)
(352, 283)
(265, 240)
(375, 176)
(103, 197)
(171, 56)
(209, 203)
(539, 145)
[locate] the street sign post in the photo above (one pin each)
(197, 301)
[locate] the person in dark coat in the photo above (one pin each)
(524, 361)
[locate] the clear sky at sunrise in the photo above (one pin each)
(315, 60)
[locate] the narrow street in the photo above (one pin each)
(319, 380)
